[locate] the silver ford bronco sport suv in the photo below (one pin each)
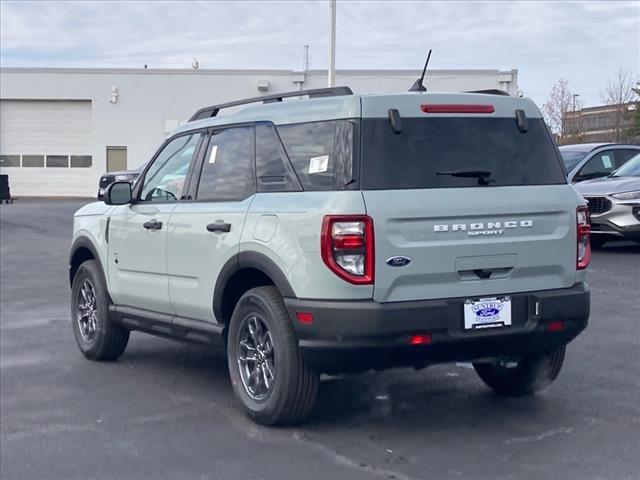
(343, 233)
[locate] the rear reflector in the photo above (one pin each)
(421, 339)
(304, 318)
(456, 108)
(555, 326)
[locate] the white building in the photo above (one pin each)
(60, 129)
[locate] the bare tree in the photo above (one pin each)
(556, 110)
(619, 93)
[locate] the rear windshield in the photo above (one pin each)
(413, 158)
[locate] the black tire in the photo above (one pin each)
(294, 390)
(528, 375)
(107, 340)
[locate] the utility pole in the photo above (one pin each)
(332, 44)
(305, 58)
(576, 121)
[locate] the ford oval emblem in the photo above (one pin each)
(398, 261)
(487, 312)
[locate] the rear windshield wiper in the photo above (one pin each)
(481, 175)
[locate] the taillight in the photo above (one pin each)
(583, 229)
(346, 245)
(456, 108)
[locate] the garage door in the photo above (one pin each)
(45, 147)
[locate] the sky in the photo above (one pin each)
(584, 42)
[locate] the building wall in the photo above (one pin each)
(151, 103)
(600, 124)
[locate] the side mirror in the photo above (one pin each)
(118, 193)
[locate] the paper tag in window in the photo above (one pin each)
(318, 164)
(606, 161)
(214, 152)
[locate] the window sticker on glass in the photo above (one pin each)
(319, 164)
(606, 161)
(212, 155)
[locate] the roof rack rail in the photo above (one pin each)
(493, 91)
(212, 111)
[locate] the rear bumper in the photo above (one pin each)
(360, 335)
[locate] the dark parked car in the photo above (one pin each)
(120, 176)
(585, 161)
(614, 204)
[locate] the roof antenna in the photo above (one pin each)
(417, 85)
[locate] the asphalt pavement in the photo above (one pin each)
(166, 410)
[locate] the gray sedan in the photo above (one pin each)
(614, 204)
(585, 161)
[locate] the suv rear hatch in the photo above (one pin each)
(478, 202)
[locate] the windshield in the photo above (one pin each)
(629, 169)
(457, 152)
(571, 158)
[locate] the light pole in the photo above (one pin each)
(573, 110)
(332, 44)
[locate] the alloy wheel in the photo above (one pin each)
(87, 311)
(256, 358)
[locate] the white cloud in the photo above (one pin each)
(584, 42)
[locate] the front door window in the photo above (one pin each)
(165, 179)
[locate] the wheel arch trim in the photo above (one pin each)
(249, 259)
(86, 243)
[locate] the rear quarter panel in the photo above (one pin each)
(286, 228)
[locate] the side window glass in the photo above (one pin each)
(623, 155)
(273, 170)
(227, 171)
(345, 149)
(164, 180)
(310, 147)
(601, 165)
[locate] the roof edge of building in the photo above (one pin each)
(203, 71)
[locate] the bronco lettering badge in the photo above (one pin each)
(479, 229)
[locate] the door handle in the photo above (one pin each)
(219, 226)
(152, 225)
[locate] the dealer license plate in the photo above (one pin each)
(485, 313)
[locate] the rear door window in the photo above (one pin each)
(427, 150)
(273, 170)
(227, 170)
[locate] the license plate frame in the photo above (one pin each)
(487, 313)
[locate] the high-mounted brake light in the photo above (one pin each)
(346, 245)
(583, 231)
(456, 108)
